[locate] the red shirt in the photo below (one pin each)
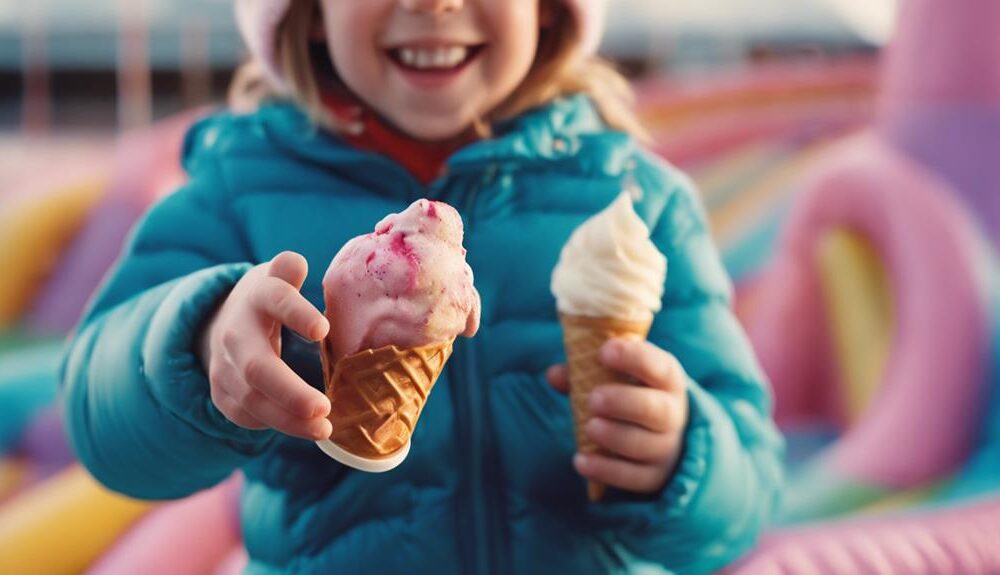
(425, 160)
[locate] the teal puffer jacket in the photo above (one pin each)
(488, 486)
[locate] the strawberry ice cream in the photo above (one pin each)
(406, 284)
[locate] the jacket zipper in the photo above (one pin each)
(473, 519)
(474, 523)
(492, 512)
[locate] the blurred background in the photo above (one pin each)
(100, 65)
(847, 154)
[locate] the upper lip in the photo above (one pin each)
(430, 43)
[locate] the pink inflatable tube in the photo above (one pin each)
(923, 420)
(953, 540)
(940, 101)
(193, 535)
(235, 562)
(147, 165)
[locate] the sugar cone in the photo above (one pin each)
(376, 396)
(583, 338)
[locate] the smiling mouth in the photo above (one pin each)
(434, 58)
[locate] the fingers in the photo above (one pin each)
(290, 267)
(267, 411)
(249, 408)
(281, 301)
(558, 378)
(635, 404)
(230, 407)
(255, 411)
(637, 427)
(645, 362)
(273, 378)
(628, 475)
(632, 442)
(259, 368)
(293, 311)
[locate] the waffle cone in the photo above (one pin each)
(376, 395)
(583, 338)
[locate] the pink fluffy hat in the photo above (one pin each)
(258, 22)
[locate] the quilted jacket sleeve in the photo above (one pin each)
(726, 485)
(136, 399)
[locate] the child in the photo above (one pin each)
(181, 373)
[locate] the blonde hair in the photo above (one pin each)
(557, 71)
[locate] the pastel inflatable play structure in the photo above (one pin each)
(27, 386)
(696, 123)
(940, 102)
(959, 539)
(941, 330)
(207, 522)
(911, 481)
(34, 231)
(56, 243)
(859, 312)
(62, 525)
(146, 166)
(857, 206)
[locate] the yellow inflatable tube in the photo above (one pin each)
(63, 525)
(859, 309)
(34, 231)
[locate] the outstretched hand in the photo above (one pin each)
(241, 352)
(639, 427)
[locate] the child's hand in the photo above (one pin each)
(241, 352)
(640, 426)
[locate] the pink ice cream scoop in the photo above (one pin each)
(406, 284)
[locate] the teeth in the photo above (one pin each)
(408, 56)
(440, 58)
(424, 59)
(433, 58)
(456, 55)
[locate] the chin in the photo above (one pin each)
(432, 129)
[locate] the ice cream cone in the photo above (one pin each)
(583, 337)
(376, 397)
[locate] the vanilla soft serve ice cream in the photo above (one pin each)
(610, 268)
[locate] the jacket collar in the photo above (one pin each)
(549, 132)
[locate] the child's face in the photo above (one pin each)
(432, 67)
